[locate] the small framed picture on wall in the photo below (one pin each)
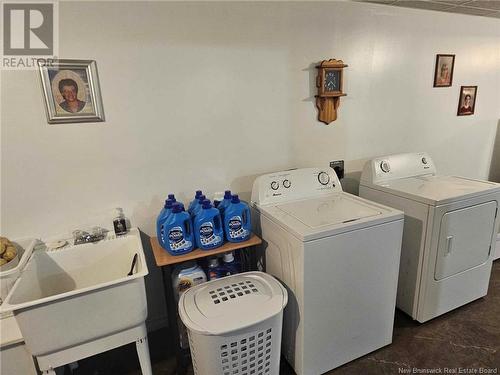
(467, 101)
(443, 74)
(71, 91)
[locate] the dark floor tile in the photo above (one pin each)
(468, 337)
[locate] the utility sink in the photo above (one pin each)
(78, 294)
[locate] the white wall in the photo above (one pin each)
(495, 158)
(210, 95)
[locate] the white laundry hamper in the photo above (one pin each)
(234, 324)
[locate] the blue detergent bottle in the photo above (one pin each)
(237, 222)
(208, 227)
(197, 196)
(197, 206)
(224, 203)
(230, 265)
(179, 236)
(164, 213)
(172, 196)
(214, 270)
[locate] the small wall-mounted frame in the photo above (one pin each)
(443, 73)
(329, 82)
(71, 91)
(467, 101)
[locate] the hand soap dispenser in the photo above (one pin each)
(119, 222)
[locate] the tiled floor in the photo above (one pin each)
(467, 338)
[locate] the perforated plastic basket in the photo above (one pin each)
(234, 324)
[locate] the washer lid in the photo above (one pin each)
(332, 210)
(436, 190)
(314, 218)
(232, 303)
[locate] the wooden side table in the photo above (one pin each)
(167, 261)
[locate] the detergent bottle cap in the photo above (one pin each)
(169, 203)
(198, 194)
(227, 194)
(235, 198)
(176, 208)
(213, 262)
(206, 204)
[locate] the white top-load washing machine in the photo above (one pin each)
(338, 255)
(449, 232)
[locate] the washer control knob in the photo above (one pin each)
(385, 166)
(424, 160)
(323, 178)
(287, 183)
(275, 185)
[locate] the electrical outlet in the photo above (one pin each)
(338, 167)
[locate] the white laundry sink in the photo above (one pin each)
(78, 294)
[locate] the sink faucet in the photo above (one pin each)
(97, 234)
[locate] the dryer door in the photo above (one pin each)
(465, 237)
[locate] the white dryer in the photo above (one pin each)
(338, 255)
(449, 232)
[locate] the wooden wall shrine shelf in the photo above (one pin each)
(329, 82)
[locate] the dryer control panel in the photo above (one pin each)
(294, 184)
(392, 167)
